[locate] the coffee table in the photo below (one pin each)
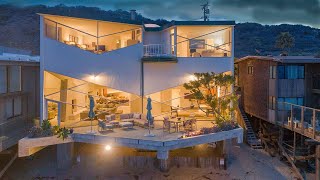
(128, 125)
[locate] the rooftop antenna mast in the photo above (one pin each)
(206, 11)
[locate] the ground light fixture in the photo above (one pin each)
(107, 147)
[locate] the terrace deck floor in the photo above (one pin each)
(139, 132)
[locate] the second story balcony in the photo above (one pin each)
(188, 39)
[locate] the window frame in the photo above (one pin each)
(250, 69)
(272, 102)
(13, 107)
(273, 72)
(6, 80)
(286, 107)
(285, 69)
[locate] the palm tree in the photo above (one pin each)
(285, 41)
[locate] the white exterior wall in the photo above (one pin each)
(161, 76)
(152, 38)
(119, 69)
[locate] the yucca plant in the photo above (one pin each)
(63, 133)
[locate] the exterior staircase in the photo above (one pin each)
(251, 138)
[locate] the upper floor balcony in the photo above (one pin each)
(91, 35)
(184, 40)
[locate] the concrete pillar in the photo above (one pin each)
(318, 162)
(63, 98)
(65, 155)
(226, 150)
(163, 159)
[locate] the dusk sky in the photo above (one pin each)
(305, 12)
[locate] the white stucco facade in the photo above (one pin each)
(123, 69)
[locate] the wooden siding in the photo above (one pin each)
(255, 87)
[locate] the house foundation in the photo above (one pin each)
(65, 155)
(318, 162)
(163, 159)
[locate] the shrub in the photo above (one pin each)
(35, 132)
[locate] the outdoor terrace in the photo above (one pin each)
(131, 137)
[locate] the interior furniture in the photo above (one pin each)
(132, 42)
(174, 110)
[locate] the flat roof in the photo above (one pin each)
(124, 21)
(191, 23)
(147, 27)
(283, 59)
(19, 59)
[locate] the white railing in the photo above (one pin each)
(157, 50)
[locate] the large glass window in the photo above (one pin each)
(295, 100)
(250, 69)
(14, 78)
(13, 107)
(291, 72)
(17, 106)
(273, 72)
(9, 108)
(3, 79)
(272, 102)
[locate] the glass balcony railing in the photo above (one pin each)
(316, 83)
(92, 42)
(299, 117)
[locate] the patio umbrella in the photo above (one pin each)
(149, 116)
(91, 114)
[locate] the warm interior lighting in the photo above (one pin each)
(192, 77)
(218, 41)
(94, 77)
(107, 147)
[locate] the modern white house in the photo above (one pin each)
(121, 64)
(127, 61)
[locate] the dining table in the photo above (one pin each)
(177, 122)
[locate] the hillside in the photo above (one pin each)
(20, 29)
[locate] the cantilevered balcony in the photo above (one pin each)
(158, 53)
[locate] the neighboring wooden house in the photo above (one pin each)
(19, 97)
(263, 81)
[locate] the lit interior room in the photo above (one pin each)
(204, 41)
(92, 35)
(74, 97)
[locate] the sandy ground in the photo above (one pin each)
(245, 163)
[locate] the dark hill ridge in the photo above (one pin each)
(20, 29)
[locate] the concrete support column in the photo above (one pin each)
(318, 162)
(226, 150)
(45, 112)
(63, 98)
(65, 155)
(59, 114)
(163, 159)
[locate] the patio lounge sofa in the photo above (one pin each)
(137, 118)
